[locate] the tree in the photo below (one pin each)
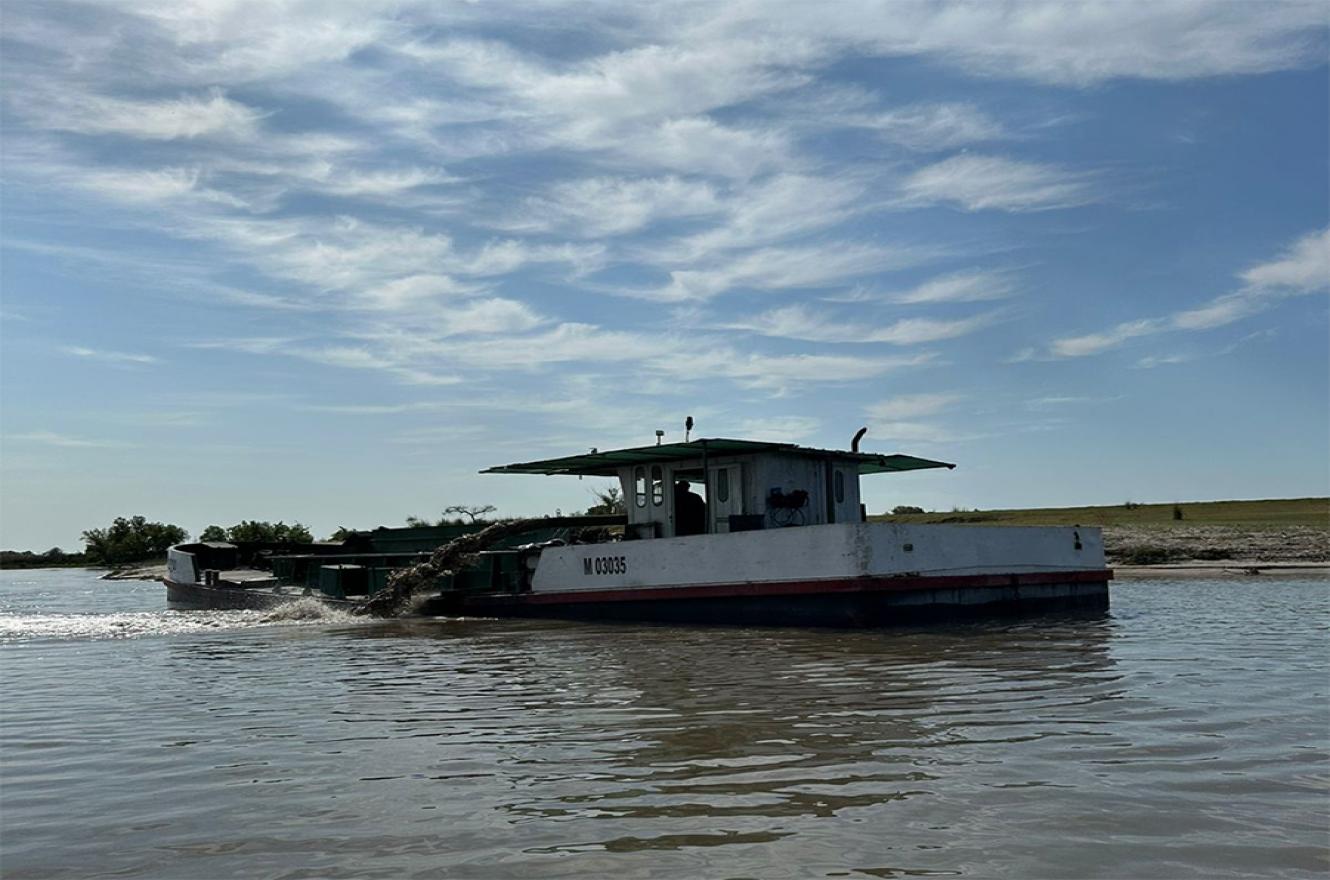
(608, 500)
(906, 508)
(257, 532)
(131, 540)
(341, 534)
(473, 513)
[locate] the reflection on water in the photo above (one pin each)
(1181, 734)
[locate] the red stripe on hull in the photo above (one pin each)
(796, 588)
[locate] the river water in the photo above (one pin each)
(1186, 733)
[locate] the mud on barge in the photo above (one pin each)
(715, 531)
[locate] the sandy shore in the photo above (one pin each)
(145, 571)
(1252, 569)
(1228, 546)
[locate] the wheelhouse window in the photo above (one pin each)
(840, 487)
(723, 485)
(657, 485)
(640, 486)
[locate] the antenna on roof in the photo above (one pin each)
(687, 428)
(660, 435)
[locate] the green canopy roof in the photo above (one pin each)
(607, 464)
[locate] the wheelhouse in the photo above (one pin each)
(721, 485)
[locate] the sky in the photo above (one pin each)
(324, 261)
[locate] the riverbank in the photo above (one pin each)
(1253, 569)
(1229, 545)
(138, 571)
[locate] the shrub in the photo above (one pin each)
(608, 501)
(1144, 555)
(256, 532)
(906, 508)
(131, 540)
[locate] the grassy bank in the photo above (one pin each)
(1272, 513)
(1275, 530)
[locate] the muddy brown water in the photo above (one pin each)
(1182, 734)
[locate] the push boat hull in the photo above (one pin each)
(781, 538)
(847, 575)
(870, 602)
(866, 602)
(231, 597)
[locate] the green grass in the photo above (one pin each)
(1271, 513)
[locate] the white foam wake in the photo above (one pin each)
(307, 608)
(136, 624)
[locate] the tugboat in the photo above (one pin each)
(715, 531)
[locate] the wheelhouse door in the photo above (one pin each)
(724, 495)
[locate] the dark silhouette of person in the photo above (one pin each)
(690, 511)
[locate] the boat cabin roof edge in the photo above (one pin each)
(607, 464)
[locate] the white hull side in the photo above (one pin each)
(838, 551)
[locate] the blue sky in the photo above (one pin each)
(323, 262)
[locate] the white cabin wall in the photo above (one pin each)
(659, 513)
(788, 473)
(848, 509)
(758, 476)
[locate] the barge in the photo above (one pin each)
(713, 531)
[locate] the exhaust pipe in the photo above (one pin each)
(858, 435)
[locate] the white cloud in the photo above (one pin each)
(802, 322)
(912, 432)
(488, 316)
(898, 418)
(930, 127)
(912, 406)
(379, 182)
(1095, 343)
(779, 373)
(652, 81)
(602, 206)
(1303, 268)
(1078, 44)
(184, 117)
(780, 268)
(979, 183)
(379, 266)
(1151, 361)
(64, 441)
(412, 291)
(110, 357)
(1218, 312)
(375, 409)
(140, 186)
(698, 145)
(1058, 400)
(779, 429)
(659, 144)
(249, 40)
(777, 208)
(973, 286)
